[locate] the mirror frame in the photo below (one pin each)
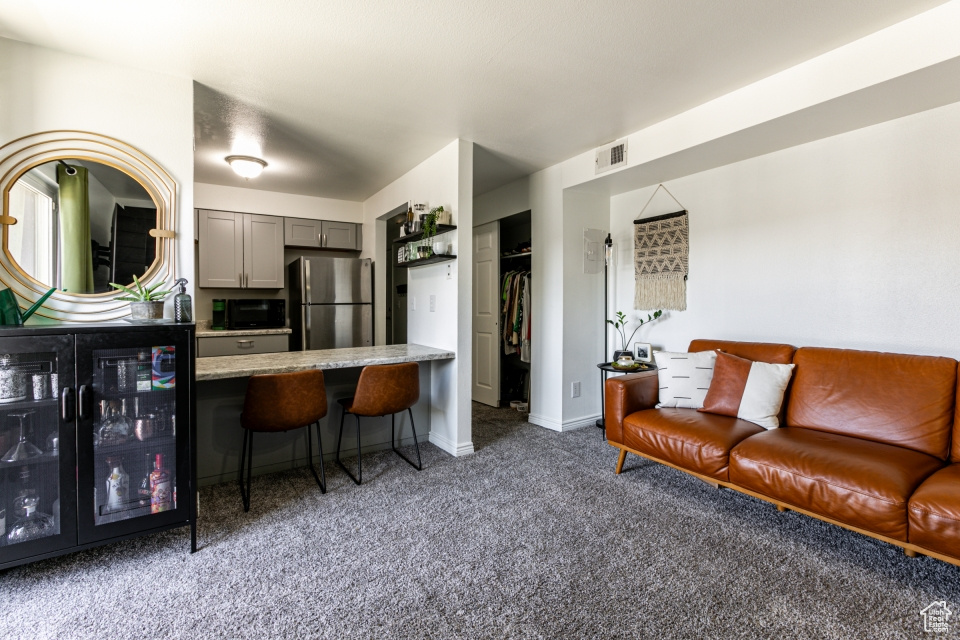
(22, 154)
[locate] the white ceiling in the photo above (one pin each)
(343, 97)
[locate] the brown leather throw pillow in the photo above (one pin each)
(751, 391)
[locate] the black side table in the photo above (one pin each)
(605, 368)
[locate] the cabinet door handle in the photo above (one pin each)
(323, 243)
(67, 405)
(84, 402)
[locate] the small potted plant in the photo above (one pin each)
(430, 222)
(146, 303)
(620, 325)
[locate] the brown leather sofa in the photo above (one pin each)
(868, 441)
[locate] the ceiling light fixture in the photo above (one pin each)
(246, 166)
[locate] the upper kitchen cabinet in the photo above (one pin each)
(240, 250)
(322, 234)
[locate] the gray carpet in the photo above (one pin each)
(531, 537)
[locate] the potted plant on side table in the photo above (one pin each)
(620, 325)
(146, 303)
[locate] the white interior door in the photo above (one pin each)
(486, 313)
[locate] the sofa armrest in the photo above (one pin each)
(625, 395)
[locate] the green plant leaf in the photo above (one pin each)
(121, 287)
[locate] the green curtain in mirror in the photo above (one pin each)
(76, 254)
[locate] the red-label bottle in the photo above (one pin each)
(161, 488)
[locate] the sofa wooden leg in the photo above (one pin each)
(623, 456)
(715, 485)
(910, 553)
(781, 508)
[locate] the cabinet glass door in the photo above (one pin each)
(131, 452)
(37, 460)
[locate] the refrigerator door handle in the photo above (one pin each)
(305, 318)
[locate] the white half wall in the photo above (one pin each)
(849, 241)
(44, 90)
(446, 178)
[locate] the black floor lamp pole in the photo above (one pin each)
(607, 253)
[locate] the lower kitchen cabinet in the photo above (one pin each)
(96, 436)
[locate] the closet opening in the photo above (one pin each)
(503, 334)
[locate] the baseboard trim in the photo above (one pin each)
(451, 447)
(580, 423)
(557, 425)
(545, 422)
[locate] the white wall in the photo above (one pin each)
(500, 203)
(446, 178)
(43, 90)
(272, 203)
(850, 241)
(583, 314)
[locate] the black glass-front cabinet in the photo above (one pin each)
(96, 437)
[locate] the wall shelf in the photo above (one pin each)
(413, 237)
(420, 262)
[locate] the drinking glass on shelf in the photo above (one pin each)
(23, 450)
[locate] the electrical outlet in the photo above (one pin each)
(433, 303)
(449, 273)
(575, 389)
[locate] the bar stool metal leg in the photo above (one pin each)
(246, 455)
(393, 441)
(357, 479)
(322, 483)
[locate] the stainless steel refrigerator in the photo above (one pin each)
(331, 303)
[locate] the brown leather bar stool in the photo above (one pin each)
(282, 402)
(383, 389)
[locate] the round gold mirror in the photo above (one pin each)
(80, 225)
(80, 211)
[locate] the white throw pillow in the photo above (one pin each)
(684, 378)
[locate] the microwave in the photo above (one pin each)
(256, 313)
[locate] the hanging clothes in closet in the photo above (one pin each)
(515, 313)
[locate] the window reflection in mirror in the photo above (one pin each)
(81, 225)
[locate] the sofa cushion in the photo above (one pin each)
(684, 378)
(895, 399)
(699, 442)
(751, 391)
(935, 512)
(857, 482)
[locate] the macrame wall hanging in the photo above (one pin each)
(661, 247)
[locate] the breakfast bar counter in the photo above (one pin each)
(222, 383)
(219, 368)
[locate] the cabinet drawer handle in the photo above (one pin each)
(244, 343)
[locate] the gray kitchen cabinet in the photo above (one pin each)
(339, 235)
(301, 232)
(240, 250)
(241, 345)
(321, 234)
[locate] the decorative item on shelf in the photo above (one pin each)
(620, 325)
(145, 303)
(430, 222)
(643, 352)
(182, 303)
(10, 313)
(439, 248)
(13, 384)
(23, 450)
(424, 252)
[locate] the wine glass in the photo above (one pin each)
(23, 450)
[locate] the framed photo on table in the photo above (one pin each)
(642, 352)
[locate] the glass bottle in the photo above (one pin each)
(118, 485)
(115, 428)
(161, 488)
(143, 492)
(32, 525)
(182, 303)
(25, 495)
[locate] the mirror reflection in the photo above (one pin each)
(81, 225)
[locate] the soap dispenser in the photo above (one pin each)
(182, 303)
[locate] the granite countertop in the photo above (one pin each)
(221, 367)
(210, 333)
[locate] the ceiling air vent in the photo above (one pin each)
(611, 156)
